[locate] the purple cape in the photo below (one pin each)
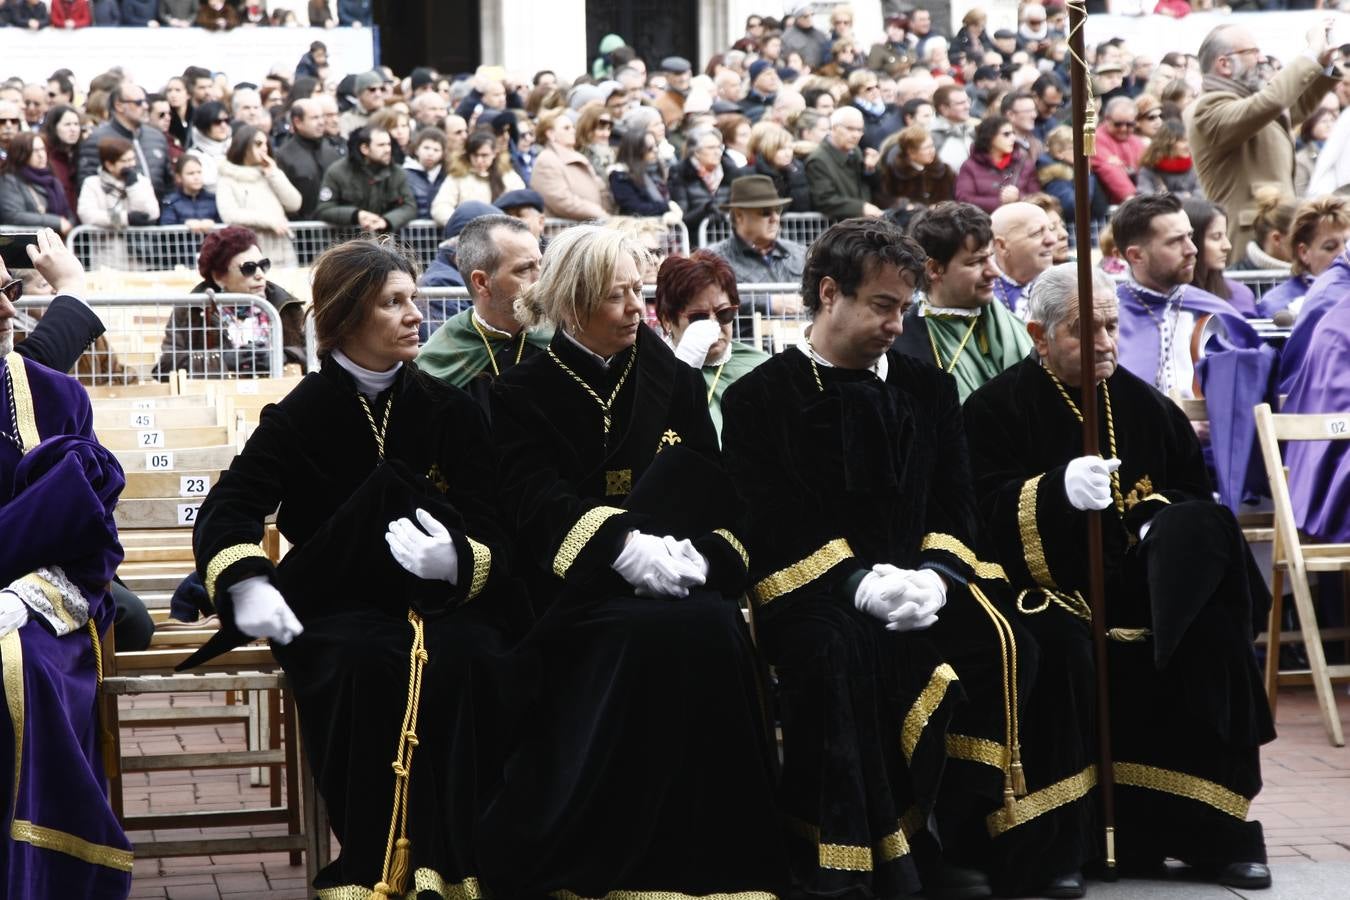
(1234, 381)
(1138, 340)
(56, 500)
(1328, 288)
(1319, 471)
(1283, 294)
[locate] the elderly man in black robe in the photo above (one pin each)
(1183, 598)
(898, 669)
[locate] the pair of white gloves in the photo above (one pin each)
(697, 340)
(905, 599)
(1087, 483)
(261, 612)
(660, 566)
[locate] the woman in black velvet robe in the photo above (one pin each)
(642, 766)
(365, 440)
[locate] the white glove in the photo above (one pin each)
(873, 596)
(13, 612)
(924, 593)
(660, 567)
(1087, 482)
(697, 340)
(430, 555)
(673, 214)
(261, 612)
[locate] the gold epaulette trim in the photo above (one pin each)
(1159, 497)
(226, 558)
(580, 535)
(938, 541)
(482, 566)
(1032, 549)
(1038, 803)
(1179, 784)
(916, 719)
(801, 573)
(735, 545)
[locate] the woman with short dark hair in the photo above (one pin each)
(117, 196)
(998, 171)
(395, 596)
(30, 193)
(252, 190)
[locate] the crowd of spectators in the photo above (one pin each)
(216, 15)
(838, 128)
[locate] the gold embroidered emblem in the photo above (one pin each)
(1142, 488)
(618, 482)
(669, 439)
(437, 479)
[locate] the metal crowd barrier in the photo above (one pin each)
(147, 338)
(676, 237)
(803, 228)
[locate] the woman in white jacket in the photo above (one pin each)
(253, 191)
(481, 172)
(115, 198)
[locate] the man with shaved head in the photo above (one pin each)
(1241, 128)
(842, 176)
(1024, 247)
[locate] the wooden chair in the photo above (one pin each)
(1293, 555)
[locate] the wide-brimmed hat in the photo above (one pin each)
(754, 192)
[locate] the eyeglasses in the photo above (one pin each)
(1152, 116)
(140, 102)
(251, 268)
(12, 290)
(163, 114)
(725, 316)
(605, 123)
(1116, 123)
(225, 120)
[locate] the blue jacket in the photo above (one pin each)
(139, 12)
(630, 200)
(361, 11)
(107, 12)
(423, 188)
(177, 208)
(442, 271)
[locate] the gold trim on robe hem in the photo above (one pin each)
(579, 535)
(24, 411)
(936, 540)
(11, 664)
(666, 895)
(855, 857)
(424, 879)
(1038, 803)
(977, 750)
(735, 545)
(916, 720)
(70, 845)
(1179, 784)
(1032, 549)
(226, 558)
(801, 573)
(482, 567)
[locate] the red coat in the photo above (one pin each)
(1116, 164)
(74, 12)
(980, 181)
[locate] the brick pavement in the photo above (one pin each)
(1305, 808)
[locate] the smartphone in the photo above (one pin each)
(14, 249)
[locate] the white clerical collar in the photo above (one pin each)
(929, 308)
(1141, 291)
(878, 368)
(372, 384)
(604, 363)
(486, 326)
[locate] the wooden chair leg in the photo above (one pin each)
(274, 743)
(1317, 662)
(1273, 640)
(295, 815)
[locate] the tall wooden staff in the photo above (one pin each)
(1084, 146)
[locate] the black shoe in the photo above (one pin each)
(944, 881)
(1249, 875)
(1070, 885)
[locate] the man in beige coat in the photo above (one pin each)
(1241, 127)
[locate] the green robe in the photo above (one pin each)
(456, 354)
(718, 378)
(999, 341)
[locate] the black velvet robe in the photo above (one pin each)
(313, 454)
(643, 764)
(837, 480)
(1188, 711)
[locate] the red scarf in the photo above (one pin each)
(1173, 165)
(1003, 163)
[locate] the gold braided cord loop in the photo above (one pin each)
(936, 540)
(482, 566)
(801, 573)
(1032, 548)
(735, 545)
(226, 558)
(580, 535)
(383, 429)
(1072, 603)
(398, 849)
(1169, 781)
(1036, 804)
(916, 719)
(977, 750)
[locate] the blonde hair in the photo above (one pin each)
(1333, 209)
(547, 120)
(767, 138)
(1274, 214)
(1059, 139)
(576, 275)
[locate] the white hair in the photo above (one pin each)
(1054, 293)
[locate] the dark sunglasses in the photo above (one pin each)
(12, 290)
(1129, 126)
(725, 316)
(249, 269)
(222, 121)
(1152, 116)
(10, 121)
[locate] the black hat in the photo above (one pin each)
(523, 197)
(676, 64)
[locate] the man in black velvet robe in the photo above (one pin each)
(853, 464)
(1183, 600)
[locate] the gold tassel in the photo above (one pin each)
(398, 872)
(1009, 794)
(1019, 778)
(380, 891)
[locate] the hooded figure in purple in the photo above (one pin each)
(58, 487)
(1319, 471)
(1332, 286)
